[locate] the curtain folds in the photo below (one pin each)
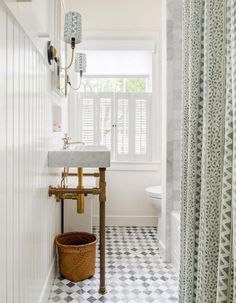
(208, 193)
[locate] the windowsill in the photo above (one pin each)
(135, 166)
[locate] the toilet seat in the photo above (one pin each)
(154, 192)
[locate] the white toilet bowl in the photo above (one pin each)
(154, 196)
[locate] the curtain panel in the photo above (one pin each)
(208, 190)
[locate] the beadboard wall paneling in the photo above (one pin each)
(29, 220)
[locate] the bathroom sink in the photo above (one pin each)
(80, 156)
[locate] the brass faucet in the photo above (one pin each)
(67, 142)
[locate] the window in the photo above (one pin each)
(117, 120)
(114, 110)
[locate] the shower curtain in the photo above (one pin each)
(208, 193)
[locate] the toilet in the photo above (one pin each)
(154, 196)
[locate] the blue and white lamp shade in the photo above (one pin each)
(80, 63)
(72, 27)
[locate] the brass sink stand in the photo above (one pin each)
(64, 192)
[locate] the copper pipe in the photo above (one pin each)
(70, 197)
(96, 175)
(75, 194)
(62, 216)
(74, 191)
(80, 199)
(102, 231)
(64, 176)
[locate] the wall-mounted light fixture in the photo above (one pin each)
(80, 67)
(72, 36)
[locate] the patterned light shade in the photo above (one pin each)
(72, 28)
(80, 63)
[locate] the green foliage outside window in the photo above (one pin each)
(128, 85)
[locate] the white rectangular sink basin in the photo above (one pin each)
(80, 156)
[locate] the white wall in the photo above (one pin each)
(116, 21)
(29, 220)
(35, 17)
(126, 198)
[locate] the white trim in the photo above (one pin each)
(135, 166)
(63, 5)
(48, 283)
(175, 263)
(163, 253)
(128, 220)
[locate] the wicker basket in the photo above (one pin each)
(77, 252)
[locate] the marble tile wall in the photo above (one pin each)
(174, 73)
(171, 118)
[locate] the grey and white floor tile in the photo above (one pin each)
(135, 272)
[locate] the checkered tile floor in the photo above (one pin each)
(135, 272)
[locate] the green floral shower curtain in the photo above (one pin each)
(208, 199)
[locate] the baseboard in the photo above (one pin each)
(163, 253)
(48, 283)
(175, 263)
(128, 220)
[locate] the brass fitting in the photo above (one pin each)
(78, 193)
(58, 191)
(80, 199)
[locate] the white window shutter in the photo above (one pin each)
(140, 126)
(88, 121)
(105, 119)
(122, 104)
(121, 121)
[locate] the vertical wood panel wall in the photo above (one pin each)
(29, 220)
